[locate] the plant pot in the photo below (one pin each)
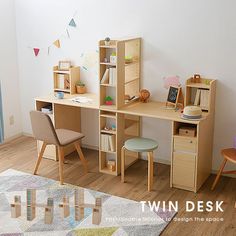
(81, 89)
(108, 103)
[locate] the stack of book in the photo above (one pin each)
(109, 76)
(108, 142)
(47, 109)
(202, 99)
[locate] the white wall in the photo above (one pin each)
(9, 69)
(179, 38)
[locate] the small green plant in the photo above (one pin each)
(108, 98)
(80, 83)
(113, 54)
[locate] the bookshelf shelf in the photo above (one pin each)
(108, 116)
(111, 152)
(108, 131)
(107, 171)
(108, 85)
(198, 85)
(110, 46)
(62, 90)
(107, 64)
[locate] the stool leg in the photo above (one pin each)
(219, 174)
(150, 170)
(123, 164)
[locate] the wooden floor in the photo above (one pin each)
(20, 154)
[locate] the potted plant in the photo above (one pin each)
(80, 87)
(108, 100)
(107, 41)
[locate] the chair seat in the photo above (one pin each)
(66, 136)
(141, 145)
(229, 154)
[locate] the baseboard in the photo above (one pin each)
(9, 139)
(89, 147)
(27, 134)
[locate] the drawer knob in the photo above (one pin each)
(191, 141)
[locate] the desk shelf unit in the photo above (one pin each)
(65, 80)
(125, 74)
(191, 159)
(206, 90)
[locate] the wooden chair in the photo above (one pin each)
(140, 145)
(44, 130)
(229, 155)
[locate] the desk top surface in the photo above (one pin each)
(94, 104)
(153, 109)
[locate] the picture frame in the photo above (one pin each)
(64, 65)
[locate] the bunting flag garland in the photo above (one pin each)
(68, 34)
(56, 43)
(36, 51)
(72, 23)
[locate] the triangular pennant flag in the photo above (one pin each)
(36, 51)
(57, 43)
(68, 34)
(72, 23)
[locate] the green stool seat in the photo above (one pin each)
(141, 144)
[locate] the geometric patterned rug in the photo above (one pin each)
(120, 216)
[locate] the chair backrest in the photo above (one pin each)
(43, 128)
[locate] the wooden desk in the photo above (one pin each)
(156, 109)
(191, 156)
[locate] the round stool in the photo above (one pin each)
(140, 145)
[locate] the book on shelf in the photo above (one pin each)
(108, 142)
(105, 78)
(61, 81)
(112, 76)
(204, 100)
(197, 97)
(109, 76)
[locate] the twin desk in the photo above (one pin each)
(191, 157)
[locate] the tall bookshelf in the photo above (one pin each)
(127, 84)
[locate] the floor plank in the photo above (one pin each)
(20, 154)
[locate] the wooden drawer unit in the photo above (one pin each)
(184, 170)
(185, 144)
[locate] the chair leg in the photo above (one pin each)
(219, 174)
(40, 157)
(61, 163)
(123, 164)
(150, 170)
(82, 158)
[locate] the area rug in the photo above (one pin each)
(119, 216)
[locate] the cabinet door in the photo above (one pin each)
(184, 169)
